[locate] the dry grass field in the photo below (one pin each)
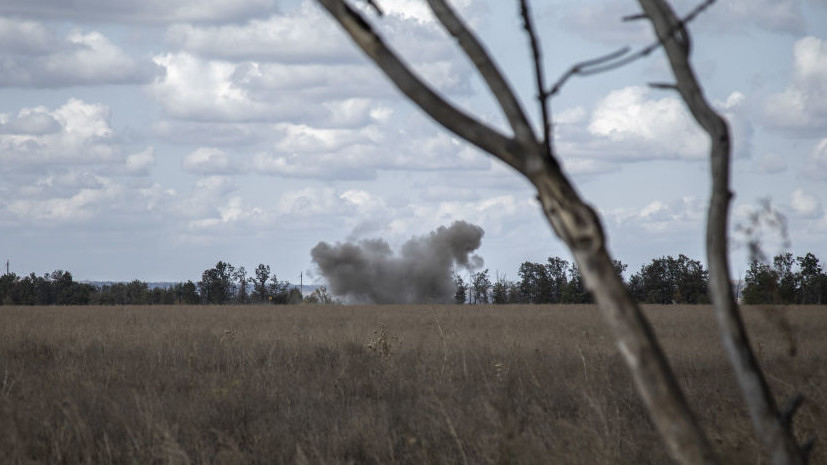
(375, 385)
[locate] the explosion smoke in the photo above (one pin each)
(368, 271)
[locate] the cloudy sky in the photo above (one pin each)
(149, 139)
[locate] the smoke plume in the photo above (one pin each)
(368, 271)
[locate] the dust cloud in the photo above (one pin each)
(368, 271)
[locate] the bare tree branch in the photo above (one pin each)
(584, 68)
(487, 68)
(375, 7)
(769, 425)
(455, 120)
(620, 58)
(574, 221)
(577, 224)
(542, 95)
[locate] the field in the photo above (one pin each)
(379, 384)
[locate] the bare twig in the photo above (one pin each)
(487, 68)
(537, 58)
(663, 85)
(769, 425)
(455, 120)
(620, 58)
(375, 7)
(573, 220)
(584, 68)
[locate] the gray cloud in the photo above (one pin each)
(31, 124)
(368, 271)
(81, 59)
(139, 11)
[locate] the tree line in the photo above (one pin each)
(788, 280)
(222, 284)
(665, 280)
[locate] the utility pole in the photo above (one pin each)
(7, 266)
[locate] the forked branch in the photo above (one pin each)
(574, 221)
(577, 224)
(622, 57)
(454, 119)
(772, 429)
(495, 81)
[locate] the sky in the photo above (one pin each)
(150, 139)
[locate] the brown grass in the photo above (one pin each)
(380, 384)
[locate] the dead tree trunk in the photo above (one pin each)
(578, 225)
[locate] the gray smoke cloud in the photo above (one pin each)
(368, 271)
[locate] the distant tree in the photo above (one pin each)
(8, 288)
(60, 287)
(279, 291)
(240, 276)
(162, 296)
(619, 267)
(137, 293)
(460, 296)
(691, 281)
(259, 281)
(812, 280)
(217, 284)
(500, 290)
(787, 288)
(575, 291)
(535, 283)
(760, 284)
(319, 296)
(294, 296)
(187, 293)
(669, 280)
(82, 293)
(558, 270)
(786, 281)
(480, 283)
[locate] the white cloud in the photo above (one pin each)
(83, 59)
(313, 81)
(140, 11)
(586, 166)
(202, 201)
(660, 217)
(602, 20)
(737, 113)
(156, 195)
(63, 165)
(209, 160)
(628, 116)
(772, 15)
(805, 204)
(388, 144)
(219, 91)
(139, 163)
(203, 90)
(294, 36)
(803, 105)
(24, 37)
(232, 213)
(35, 121)
(76, 132)
(631, 124)
(79, 207)
(816, 166)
